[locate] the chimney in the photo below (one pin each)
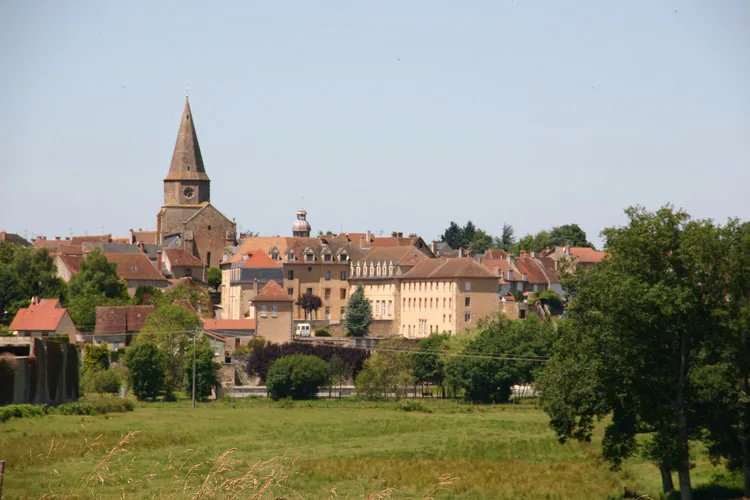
(132, 237)
(460, 252)
(142, 246)
(361, 242)
(400, 235)
(567, 249)
(255, 287)
(394, 234)
(158, 260)
(369, 237)
(433, 247)
(67, 238)
(411, 235)
(57, 238)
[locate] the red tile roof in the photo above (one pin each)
(121, 319)
(587, 255)
(442, 268)
(229, 324)
(72, 262)
(42, 317)
(104, 238)
(180, 258)
(147, 237)
(272, 292)
(135, 266)
(258, 259)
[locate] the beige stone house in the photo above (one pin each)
(177, 263)
(241, 280)
(446, 296)
(380, 273)
(273, 311)
(44, 318)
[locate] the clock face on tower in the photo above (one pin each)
(188, 192)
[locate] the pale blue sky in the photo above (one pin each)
(383, 115)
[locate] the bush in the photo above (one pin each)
(95, 357)
(410, 405)
(145, 363)
(322, 332)
(95, 407)
(22, 411)
(297, 376)
(100, 382)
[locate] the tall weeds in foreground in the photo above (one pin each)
(224, 479)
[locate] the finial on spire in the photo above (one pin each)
(187, 91)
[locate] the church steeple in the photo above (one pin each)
(187, 182)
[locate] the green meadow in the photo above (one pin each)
(257, 448)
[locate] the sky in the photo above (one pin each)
(381, 116)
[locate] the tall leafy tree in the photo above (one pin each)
(145, 364)
(480, 242)
(206, 371)
(638, 327)
(507, 238)
(310, 303)
(213, 277)
(569, 234)
(358, 313)
(452, 235)
(467, 234)
(428, 365)
(97, 284)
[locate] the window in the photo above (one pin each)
(343, 312)
(263, 311)
(328, 275)
(309, 290)
(309, 257)
(209, 227)
(208, 259)
(237, 343)
(390, 308)
(343, 275)
(309, 269)
(342, 293)
(430, 301)
(290, 275)
(274, 311)
(536, 288)
(327, 294)
(327, 257)
(467, 301)
(467, 317)
(290, 291)
(450, 302)
(443, 318)
(328, 313)
(510, 274)
(444, 302)
(116, 345)
(467, 286)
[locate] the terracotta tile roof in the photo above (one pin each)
(258, 259)
(534, 273)
(180, 258)
(503, 266)
(147, 237)
(298, 246)
(272, 292)
(60, 246)
(72, 262)
(42, 317)
(587, 255)
(229, 324)
(121, 241)
(135, 267)
(185, 304)
(495, 254)
(104, 238)
(509, 298)
(121, 319)
(448, 268)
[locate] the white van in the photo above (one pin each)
(303, 330)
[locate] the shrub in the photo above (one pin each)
(145, 363)
(411, 405)
(322, 332)
(297, 376)
(95, 407)
(105, 381)
(22, 411)
(206, 372)
(95, 357)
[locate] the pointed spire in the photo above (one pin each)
(187, 162)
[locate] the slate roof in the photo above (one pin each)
(463, 267)
(14, 239)
(42, 317)
(187, 161)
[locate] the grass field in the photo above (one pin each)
(326, 449)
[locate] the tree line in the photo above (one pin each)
(478, 240)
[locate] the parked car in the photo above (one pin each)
(303, 330)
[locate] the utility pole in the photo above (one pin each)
(195, 337)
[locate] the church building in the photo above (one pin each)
(188, 220)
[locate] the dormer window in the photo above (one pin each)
(327, 257)
(343, 257)
(309, 257)
(510, 274)
(290, 255)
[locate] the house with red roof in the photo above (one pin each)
(242, 278)
(178, 263)
(44, 318)
(583, 257)
(116, 325)
(273, 310)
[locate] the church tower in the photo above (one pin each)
(187, 182)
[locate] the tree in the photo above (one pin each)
(387, 371)
(310, 303)
(428, 365)
(171, 328)
(206, 371)
(341, 371)
(638, 329)
(467, 234)
(452, 235)
(570, 235)
(25, 273)
(95, 357)
(297, 376)
(145, 364)
(97, 284)
(147, 295)
(507, 239)
(480, 242)
(358, 313)
(213, 277)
